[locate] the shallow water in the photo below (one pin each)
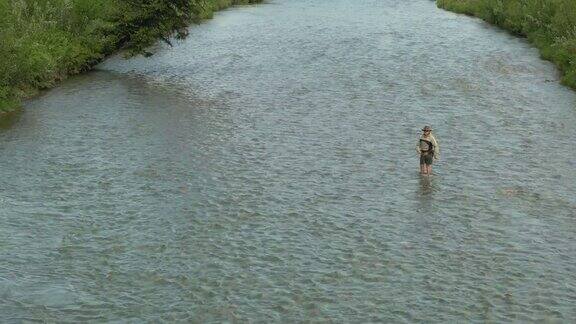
(265, 170)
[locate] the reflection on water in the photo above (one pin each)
(9, 119)
(426, 185)
(264, 170)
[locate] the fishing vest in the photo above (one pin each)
(426, 146)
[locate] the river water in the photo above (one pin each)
(264, 170)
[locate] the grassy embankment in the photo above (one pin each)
(44, 41)
(549, 24)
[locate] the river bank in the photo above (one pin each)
(549, 25)
(43, 42)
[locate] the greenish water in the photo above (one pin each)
(264, 170)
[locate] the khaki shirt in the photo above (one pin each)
(432, 139)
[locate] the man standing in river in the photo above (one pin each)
(428, 149)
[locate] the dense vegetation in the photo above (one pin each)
(43, 41)
(549, 24)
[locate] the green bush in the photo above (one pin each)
(549, 24)
(43, 41)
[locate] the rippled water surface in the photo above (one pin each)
(265, 170)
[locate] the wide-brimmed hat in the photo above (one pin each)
(427, 128)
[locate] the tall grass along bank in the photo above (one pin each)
(548, 24)
(44, 41)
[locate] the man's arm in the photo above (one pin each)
(436, 148)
